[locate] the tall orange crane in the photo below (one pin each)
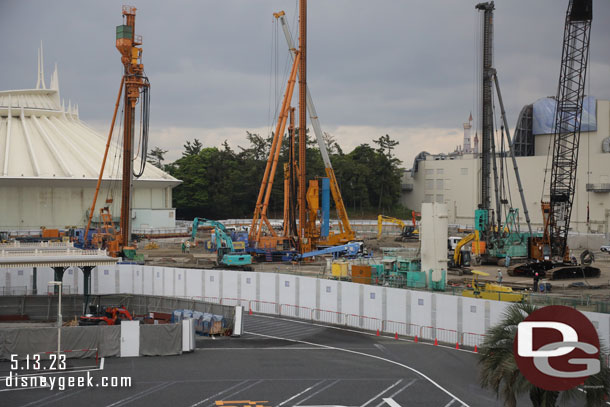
(135, 84)
(346, 232)
(307, 235)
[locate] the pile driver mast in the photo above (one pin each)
(300, 197)
(304, 243)
(346, 233)
(135, 82)
(492, 239)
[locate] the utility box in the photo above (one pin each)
(238, 325)
(339, 270)
(188, 335)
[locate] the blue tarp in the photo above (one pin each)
(203, 320)
(544, 115)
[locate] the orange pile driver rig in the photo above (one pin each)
(135, 85)
(305, 228)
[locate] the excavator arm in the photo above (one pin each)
(457, 255)
(383, 218)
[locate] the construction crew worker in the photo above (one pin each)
(499, 278)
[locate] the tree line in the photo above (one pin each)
(221, 183)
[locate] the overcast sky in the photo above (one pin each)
(405, 68)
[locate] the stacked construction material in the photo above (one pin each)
(205, 323)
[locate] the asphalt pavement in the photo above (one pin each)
(277, 362)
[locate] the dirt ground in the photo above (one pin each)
(169, 254)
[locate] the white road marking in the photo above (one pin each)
(318, 392)
(391, 402)
(379, 395)
(141, 394)
(299, 394)
(365, 333)
(240, 390)
(270, 348)
(450, 403)
(65, 396)
(370, 356)
(218, 394)
(396, 394)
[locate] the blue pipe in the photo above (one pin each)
(325, 207)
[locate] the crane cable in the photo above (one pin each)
(142, 150)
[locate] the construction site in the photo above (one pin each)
(106, 253)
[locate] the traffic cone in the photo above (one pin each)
(415, 339)
(396, 335)
(457, 345)
(378, 332)
(475, 349)
(435, 342)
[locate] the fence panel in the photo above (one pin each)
(368, 323)
(295, 311)
(264, 307)
(328, 317)
(472, 339)
(400, 328)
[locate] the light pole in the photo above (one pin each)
(59, 317)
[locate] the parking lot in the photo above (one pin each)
(277, 362)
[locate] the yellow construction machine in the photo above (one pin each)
(407, 232)
(491, 291)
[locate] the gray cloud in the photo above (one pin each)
(372, 65)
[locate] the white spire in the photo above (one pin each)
(40, 81)
(55, 79)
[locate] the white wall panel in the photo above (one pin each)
(193, 282)
(496, 311)
(44, 275)
(212, 284)
(229, 284)
(159, 277)
(179, 275)
(396, 305)
(473, 315)
(148, 276)
(421, 308)
(328, 295)
(287, 289)
(307, 292)
(446, 312)
(350, 298)
(106, 280)
(137, 279)
(372, 301)
(126, 278)
(168, 281)
(248, 286)
(267, 287)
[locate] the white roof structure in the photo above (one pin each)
(42, 139)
